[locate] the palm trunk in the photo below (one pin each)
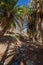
(5, 28)
(3, 31)
(38, 9)
(41, 29)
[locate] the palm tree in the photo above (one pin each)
(31, 26)
(38, 9)
(9, 15)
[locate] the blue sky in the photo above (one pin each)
(23, 2)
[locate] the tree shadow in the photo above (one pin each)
(4, 39)
(5, 54)
(14, 52)
(21, 53)
(8, 40)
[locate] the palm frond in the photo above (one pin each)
(13, 24)
(18, 22)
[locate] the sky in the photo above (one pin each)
(23, 2)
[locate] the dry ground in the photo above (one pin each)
(9, 49)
